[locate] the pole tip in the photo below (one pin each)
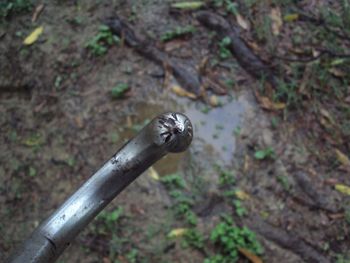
(174, 131)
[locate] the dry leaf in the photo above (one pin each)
(249, 255)
(336, 216)
(32, 37)
(291, 17)
(153, 173)
(342, 158)
(214, 101)
(327, 116)
(242, 22)
(79, 122)
(106, 260)
(343, 189)
(246, 163)
(129, 121)
(182, 92)
(177, 232)
(254, 46)
(37, 12)
(188, 5)
(240, 194)
(331, 181)
(276, 19)
(267, 104)
(337, 72)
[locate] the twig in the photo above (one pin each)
(287, 240)
(305, 60)
(322, 51)
(246, 58)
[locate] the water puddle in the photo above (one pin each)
(214, 128)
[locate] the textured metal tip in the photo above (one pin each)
(174, 131)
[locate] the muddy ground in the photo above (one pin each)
(59, 123)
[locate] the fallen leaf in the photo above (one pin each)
(106, 260)
(177, 232)
(188, 5)
(33, 141)
(137, 209)
(276, 20)
(129, 123)
(264, 214)
(338, 61)
(246, 163)
(337, 72)
(327, 116)
(336, 216)
(37, 12)
(79, 122)
(182, 92)
(291, 17)
(214, 101)
(254, 46)
(242, 22)
(267, 104)
(342, 189)
(174, 45)
(331, 181)
(342, 158)
(249, 255)
(32, 37)
(240, 194)
(153, 173)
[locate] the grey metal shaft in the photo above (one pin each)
(169, 132)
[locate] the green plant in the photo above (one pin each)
(228, 5)
(70, 161)
(266, 153)
(32, 171)
(139, 126)
(131, 256)
(107, 220)
(193, 238)
(100, 43)
(183, 207)
(239, 208)
(205, 109)
(182, 203)
(287, 92)
(283, 180)
(342, 259)
(225, 177)
(274, 122)
(177, 32)
(224, 52)
(119, 90)
(116, 246)
(173, 181)
(8, 7)
(237, 131)
(228, 238)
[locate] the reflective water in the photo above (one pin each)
(214, 128)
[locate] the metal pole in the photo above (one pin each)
(169, 132)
